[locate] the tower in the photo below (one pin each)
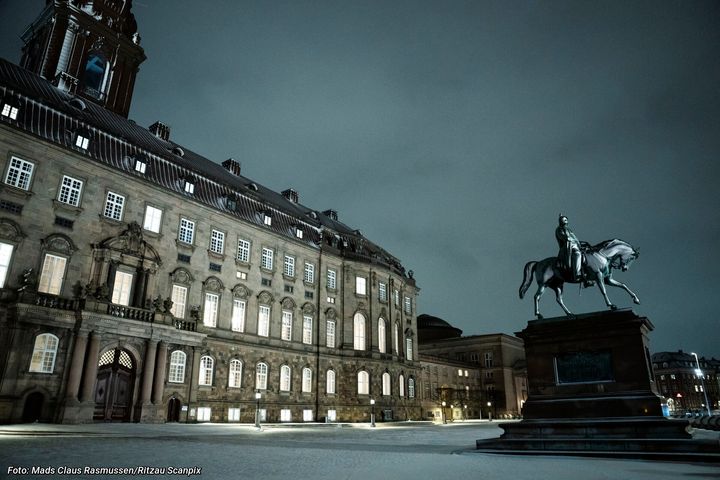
(88, 48)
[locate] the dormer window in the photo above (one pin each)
(95, 75)
(82, 141)
(189, 187)
(298, 233)
(140, 166)
(9, 111)
(231, 202)
(267, 220)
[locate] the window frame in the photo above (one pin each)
(363, 383)
(238, 324)
(330, 335)
(68, 190)
(289, 266)
(306, 384)
(359, 332)
(309, 273)
(330, 385)
(235, 373)
(49, 289)
(267, 258)
(242, 254)
(261, 375)
(184, 226)
(114, 209)
(174, 309)
(210, 315)
(264, 320)
(6, 258)
(285, 378)
(153, 219)
(23, 178)
(287, 326)
(217, 241)
(206, 371)
(331, 279)
(44, 355)
(307, 332)
(176, 369)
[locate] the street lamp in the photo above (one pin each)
(372, 413)
(489, 411)
(452, 412)
(443, 412)
(699, 373)
(257, 408)
(464, 412)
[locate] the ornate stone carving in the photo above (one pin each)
(265, 297)
(182, 276)
(58, 243)
(240, 291)
(308, 308)
(10, 230)
(213, 284)
(330, 314)
(288, 303)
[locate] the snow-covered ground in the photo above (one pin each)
(397, 451)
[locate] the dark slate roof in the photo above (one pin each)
(57, 116)
(682, 359)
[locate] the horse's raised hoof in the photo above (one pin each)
(613, 307)
(539, 317)
(636, 301)
(571, 316)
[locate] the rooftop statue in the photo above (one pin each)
(579, 262)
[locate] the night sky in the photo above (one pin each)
(453, 134)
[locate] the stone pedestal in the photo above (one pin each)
(591, 391)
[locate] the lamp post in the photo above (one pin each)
(257, 408)
(464, 412)
(452, 412)
(444, 418)
(372, 412)
(699, 373)
(489, 411)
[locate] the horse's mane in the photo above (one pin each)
(610, 243)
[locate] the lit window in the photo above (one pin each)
(235, 377)
(298, 233)
(359, 332)
(140, 166)
(204, 414)
(189, 187)
(363, 383)
(396, 339)
(241, 275)
(217, 242)
(401, 385)
(408, 348)
(121, 288)
(284, 378)
(307, 329)
(114, 205)
(460, 372)
(330, 299)
(330, 382)
(243, 251)
(6, 251)
(307, 415)
(382, 292)
(82, 142)
(70, 190)
(51, 277)
(286, 333)
(332, 415)
(177, 367)
(306, 380)
(266, 261)
(261, 372)
(263, 320)
(178, 297)
(289, 266)
(9, 111)
(238, 316)
(411, 387)
(386, 383)
(466, 373)
(153, 219)
(309, 275)
(285, 415)
(43, 357)
(381, 335)
(19, 173)
(396, 297)
(206, 371)
(211, 310)
(233, 414)
(360, 285)
(331, 279)
(408, 305)
(330, 334)
(186, 232)
(267, 220)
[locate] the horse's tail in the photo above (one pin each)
(527, 278)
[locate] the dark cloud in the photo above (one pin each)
(453, 133)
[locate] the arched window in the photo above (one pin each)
(95, 74)
(386, 383)
(363, 383)
(306, 380)
(206, 371)
(43, 357)
(261, 372)
(401, 385)
(235, 378)
(177, 367)
(359, 331)
(396, 339)
(408, 348)
(330, 382)
(381, 335)
(284, 378)
(411, 387)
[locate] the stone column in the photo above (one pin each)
(91, 367)
(76, 366)
(159, 386)
(148, 367)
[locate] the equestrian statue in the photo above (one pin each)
(579, 262)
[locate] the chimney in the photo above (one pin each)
(232, 166)
(160, 130)
(291, 195)
(331, 213)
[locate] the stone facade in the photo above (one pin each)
(683, 390)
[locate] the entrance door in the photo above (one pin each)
(33, 407)
(174, 407)
(114, 390)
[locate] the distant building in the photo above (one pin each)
(678, 381)
(140, 281)
(496, 380)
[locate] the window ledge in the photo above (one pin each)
(240, 263)
(151, 234)
(66, 207)
(15, 191)
(288, 278)
(110, 221)
(184, 246)
(219, 256)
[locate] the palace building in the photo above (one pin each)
(141, 281)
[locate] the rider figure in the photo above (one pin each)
(569, 255)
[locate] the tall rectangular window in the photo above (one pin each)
(266, 261)
(289, 266)
(396, 297)
(10, 111)
(210, 310)
(217, 242)
(153, 219)
(176, 374)
(238, 316)
(330, 334)
(309, 276)
(286, 333)
(360, 285)
(179, 298)
(307, 329)
(408, 305)
(243, 251)
(19, 173)
(382, 292)
(331, 279)
(186, 232)
(114, 205)
(233, 414)
(204, 414)
(52, 274)
(408, 348)
(70, 190)
(121, 288)
(264, 321)
(488, 359)
(6, 251)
